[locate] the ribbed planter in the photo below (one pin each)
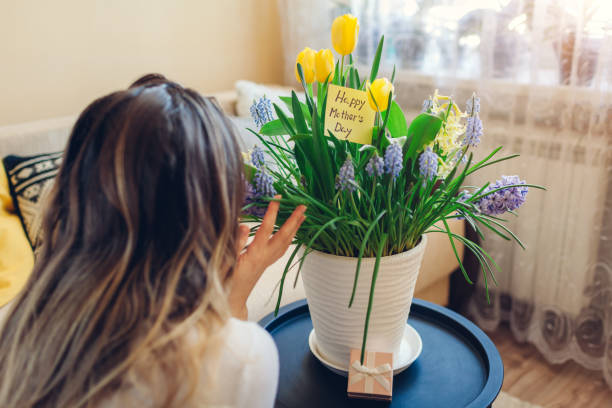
(328, 282)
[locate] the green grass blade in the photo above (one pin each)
(450, 238)
(361, 251)
(376, 62)
(381, 245)
(282, 281)
(316, 235)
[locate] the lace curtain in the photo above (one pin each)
(543, 70)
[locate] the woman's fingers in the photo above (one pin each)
(267, 247)
(243, 236)
(285, 235)
(267, 224)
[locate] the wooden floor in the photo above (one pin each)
(529, 377)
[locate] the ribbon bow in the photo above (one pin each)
(371, 374)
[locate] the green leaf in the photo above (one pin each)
(353, 81)
(300, 137)
(323, 105)
(321, 159)
(376, 62)
(289, 126)
(288, 101)
(400, 140)
(422, 131)
(275, 128)
(300, 149)
(336, 80)
(339, 148)
(387, 112)
(397, 121)
(298, 116)
(376, 139)
(307, 88)
(386, 141)
(249, 172)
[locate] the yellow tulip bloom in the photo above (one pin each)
(344, 32)
(324, 65)
(306, 59)
(380, 90)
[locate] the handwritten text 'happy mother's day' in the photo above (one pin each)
(348, 115)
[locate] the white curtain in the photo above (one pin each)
(543, 70)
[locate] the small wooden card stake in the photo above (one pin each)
(372, 380)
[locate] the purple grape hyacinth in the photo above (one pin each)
(393, 159)
(473, 128)
(264, 183)
(472, 105)
(428, 164)
(261, 111)
(427, 105)
(473, 131)
(251, 197)
(507, 199)
(464, 196)
(375, 166)
(345, 180)
(257, 157)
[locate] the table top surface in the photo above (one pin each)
(458, 367)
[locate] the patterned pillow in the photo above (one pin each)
(30, 180)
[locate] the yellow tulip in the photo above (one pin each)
(324, 65)
(306, 59)
(380, 89)
(344, 32)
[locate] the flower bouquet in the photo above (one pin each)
(375, 186)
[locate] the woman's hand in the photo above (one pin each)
(265, 249)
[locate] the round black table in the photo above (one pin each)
(459, 365)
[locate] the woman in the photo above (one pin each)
(142, 266)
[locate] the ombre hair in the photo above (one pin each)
(139, 236)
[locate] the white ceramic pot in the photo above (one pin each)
(328, 282)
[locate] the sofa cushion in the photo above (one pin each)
(16, 258)
(247, 92)
(31, 138)
(30, 180)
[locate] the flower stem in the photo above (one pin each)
(381, 245)
(355, 207)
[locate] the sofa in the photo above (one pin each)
(439, 260)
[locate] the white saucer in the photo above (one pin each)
(410, 349)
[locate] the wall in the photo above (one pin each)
(57, 56)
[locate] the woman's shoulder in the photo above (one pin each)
(247, 338)
(247, 349)
(239, 368)
(248, 366)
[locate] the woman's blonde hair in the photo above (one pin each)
(139, 233)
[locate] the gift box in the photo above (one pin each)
(373, 379)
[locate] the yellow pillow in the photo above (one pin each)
(16, 256)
